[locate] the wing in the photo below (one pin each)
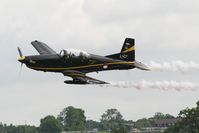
(81, 78)
(42, 48)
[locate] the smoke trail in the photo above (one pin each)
(179, 66)
(160, 85)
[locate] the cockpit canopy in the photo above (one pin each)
(74, 53)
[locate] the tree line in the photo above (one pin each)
(74, 119)
(189, 122)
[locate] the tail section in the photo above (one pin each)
(128, 51)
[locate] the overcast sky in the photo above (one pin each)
(164, 30)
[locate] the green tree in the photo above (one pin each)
(168, 116)
(159, 115)
(90, 125)
(18, 129)
(25, 129)
(113, 121)
(143, 123)
(50, 124)
(10, 129)
(189, 122)
(73, 119)
(2, 129)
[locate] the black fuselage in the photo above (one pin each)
(93, 63)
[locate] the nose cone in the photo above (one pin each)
(22, 59)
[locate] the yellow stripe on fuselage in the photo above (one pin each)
(79, 67)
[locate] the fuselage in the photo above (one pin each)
(86, 64)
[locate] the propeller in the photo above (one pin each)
(20, 69)
(21, 57)
(20, 53)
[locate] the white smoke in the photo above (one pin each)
(174, 66)
(160, 85)
(179, 66)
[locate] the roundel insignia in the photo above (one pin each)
(105, 66)
(123, 56)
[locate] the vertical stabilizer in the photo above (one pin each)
(128, 50)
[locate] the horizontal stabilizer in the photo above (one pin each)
(141, 66)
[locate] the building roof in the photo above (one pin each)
(166, 122)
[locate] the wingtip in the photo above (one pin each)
(35, 41)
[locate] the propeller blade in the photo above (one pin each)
(20, 53)
(20, 69)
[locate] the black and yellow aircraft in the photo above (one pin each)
(76, 63)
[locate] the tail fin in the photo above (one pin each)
(128, 51)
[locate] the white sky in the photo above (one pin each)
(164, 31)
